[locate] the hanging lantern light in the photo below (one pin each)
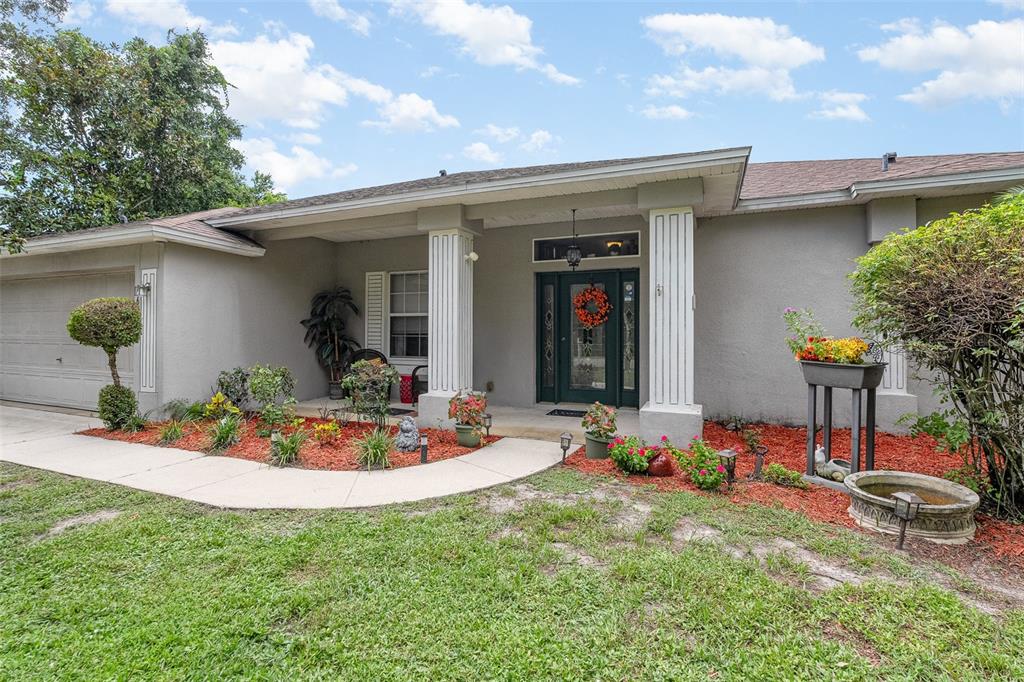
(573, 255)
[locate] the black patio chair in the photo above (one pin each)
(420, 382)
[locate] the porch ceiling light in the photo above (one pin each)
(573, 255)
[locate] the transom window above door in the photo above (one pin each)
(407, 314)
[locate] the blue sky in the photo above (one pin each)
(336, 94)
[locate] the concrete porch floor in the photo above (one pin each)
(517, 422)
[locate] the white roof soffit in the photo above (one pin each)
(975, 181)
(488, 191)
(143, 234)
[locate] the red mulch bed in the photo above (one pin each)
(788, 446)
(338, 456)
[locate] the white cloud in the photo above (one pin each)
(431, 71)
(982, 61)
(670, 112)
(276, 81)
(409, 112)
(539, 141)
(756, 41)
(764, 52)
(305, 138)
(481, 151)
(1010, 5)
(842, 105)
(773, 83)
(289, 168)
(165, 15)
(498, 133)
(492, 35)
(78, 13)
(330, 9)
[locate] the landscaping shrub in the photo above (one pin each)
(951, 295)
(273, 415)
(225, 432)
(284, 450)
(270, 384)
(234, 384)
(599, 421)
(630, 454)
(326, 433)
(183, 410)
(780, 475)
(135, 424)
(219, 406)
(171, 432)
(107, 323)
(702, 466)
(375, 448)
(369, 384)
(117, 406)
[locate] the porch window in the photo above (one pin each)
(407, 314)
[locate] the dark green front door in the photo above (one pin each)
(579, 364)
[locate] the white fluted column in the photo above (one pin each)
(670, 409)
(450, 309)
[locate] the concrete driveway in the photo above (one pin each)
(19, 425)
(47, 440)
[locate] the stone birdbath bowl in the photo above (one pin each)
(946, 517)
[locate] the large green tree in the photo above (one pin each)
(95, 134)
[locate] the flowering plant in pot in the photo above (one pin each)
(826, 360)
(599, 426)
(468, 409)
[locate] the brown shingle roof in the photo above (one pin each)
(788, 178)
(187, 223)
(456, 179)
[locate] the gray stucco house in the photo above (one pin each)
(465, 272)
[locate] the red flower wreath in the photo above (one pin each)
(597, 315)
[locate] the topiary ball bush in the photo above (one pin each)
(117, 406)
(107, 323)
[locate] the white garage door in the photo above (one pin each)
(39, 363)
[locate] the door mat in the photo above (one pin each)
(398, 412)
(567, 413)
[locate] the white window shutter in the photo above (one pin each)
(376, 311)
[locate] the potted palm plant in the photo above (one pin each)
(599, 427)
(828, 361)
(468, 410)
(326, 333)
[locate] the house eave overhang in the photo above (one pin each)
(861, 192)
(493, 190)
(146, 234)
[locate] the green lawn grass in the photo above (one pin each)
(454, 590)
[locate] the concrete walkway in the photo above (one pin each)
(46, 440)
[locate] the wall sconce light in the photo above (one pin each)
(142, 289)
(566, 442)
(907, 506)
(423, 449)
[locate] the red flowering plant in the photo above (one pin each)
(631, 454)
(468, 409)
(702, 465)
(599, 421)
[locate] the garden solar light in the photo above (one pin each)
(727, 458)
(423, 449)
(487, 423)
(907, 506)
(566, 443)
